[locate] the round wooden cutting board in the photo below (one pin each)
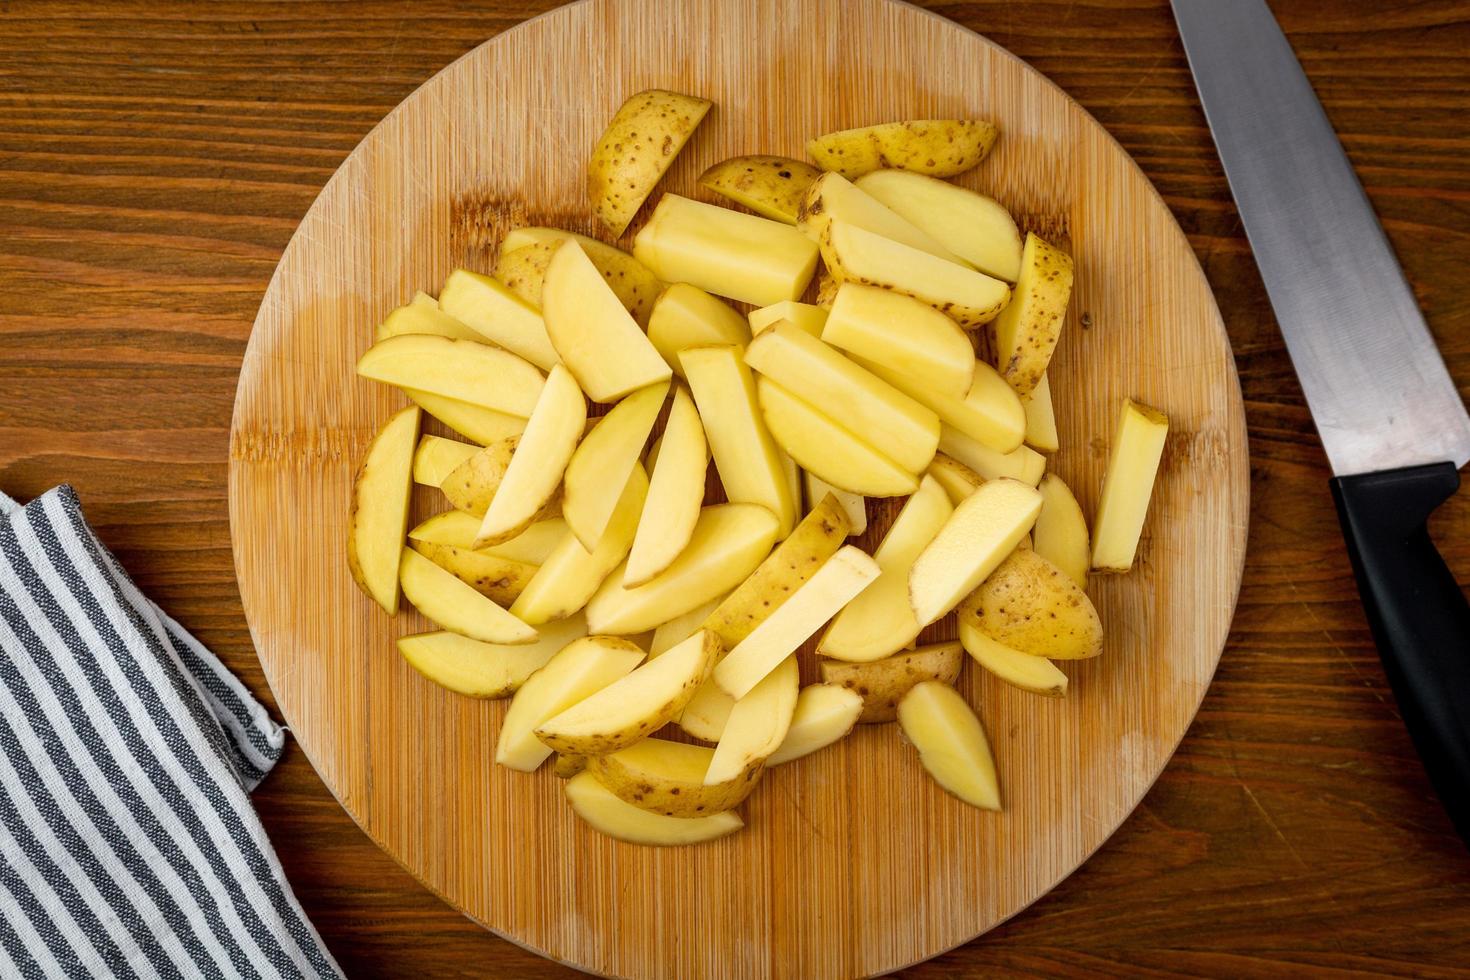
(853, 861)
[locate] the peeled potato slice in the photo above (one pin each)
(951, 743)
(824, 714)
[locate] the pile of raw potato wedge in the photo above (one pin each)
(581, 568)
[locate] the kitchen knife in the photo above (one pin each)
(1393, 424)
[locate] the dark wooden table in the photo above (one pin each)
(155, 157)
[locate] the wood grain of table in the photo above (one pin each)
(156, 156)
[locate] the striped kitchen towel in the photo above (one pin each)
(128, 845)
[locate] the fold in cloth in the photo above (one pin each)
(128, 844)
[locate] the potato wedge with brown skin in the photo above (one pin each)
(957, 479)
(1030, 605)
(567, 766)
(883, 683)
(495, 578)
(471, 485)
(640, 143)
(937, 147)
(770, 186)
(604, 812)
(1026, 331)
(668, 777)
(634, 284)
(379, 516)
(826, 290)
(634, 706)
(817, 538)
(485, 670)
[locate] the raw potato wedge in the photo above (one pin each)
(523, 270)
(770, 186)
(854, 505)
(668, 777)
(423, 316)
(674, 493)
(1128, 486)
(707, 713)
(867, 406)
(832, 197)
(909, 338)
(670, 634)
(1026, 331)
(495, 578)
(635, 285)
(740, 256)
(458, 528)
(436, 458)
(632, 707)
(989, 412)
(604, 812)
(1035, 674)
(595, 336)
(485, 670)
(456, 606)
(833, 586)
(747, 458)
(582, 668)
(880, 621)
(640, 143)
(567, 766)
(958, 480)
(984, 528)
(971, 225)
(1041, 418)
(881, 684)
(686, 316)
(605, 460)
(496, 313)
(1022, 464)
(379, 515)
(804, 316)
(757, 725)
(541, 456)
(824, 714)
(968, 297)
(821, 446)
(815, 540)
(571, 574)
(937, 147)
(471, 485)
(464, 370)
(729, 541)
(1029, 605)
(1060, 534)
(471, 421)
(951, 743)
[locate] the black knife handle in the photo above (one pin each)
(1418, 614)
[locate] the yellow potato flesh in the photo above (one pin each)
(605, 458)
(485, 670)
(687, 316)
(1022, 464)
(1128, 486)
(593, 333)
(881, 621)
(1026, 331)
(989, 412)
(1060, 535)
(820, 445)
(437, 457)
(379, 516)
(494, 311)
(832, 197)
(971, 225)
(456, 606)
(824, 714)
(739, 256)
(674, 494)
(1041, 418)
(601, 808)
(907, 338)
(423, 316)
(804, 316)
(1035, 674)
(464, 370)
(951, 743)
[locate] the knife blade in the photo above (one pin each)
(1390, 417)
(1377, 386)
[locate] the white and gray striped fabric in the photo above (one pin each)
(128, 845)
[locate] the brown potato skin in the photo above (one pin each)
(771, 186)
(883, 683)
(1032, 606)
(640, 143)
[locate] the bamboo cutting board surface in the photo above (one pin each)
(852, 861)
